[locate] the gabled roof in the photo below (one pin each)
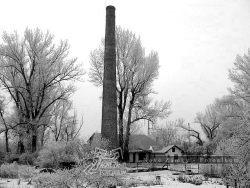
(166, 149)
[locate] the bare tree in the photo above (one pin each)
(73, 127)
(135, 75)
(231, 114)
(125, 41)
(8, 122)
(4, 122)
(192, 132)
(36, 73)
(136, 128)
(167, 134)
(209, 122)
(60, 116)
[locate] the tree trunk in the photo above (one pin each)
(42, 136)
(34, 144)
(120, 128)
(7, 141)
(34, 136)
(20, 147)
(126, 149)
(121, 140)
(5, 132)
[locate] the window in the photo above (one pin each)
(173, 150)
(142, 156)
(175, 156)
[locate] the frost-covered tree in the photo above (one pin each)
(136, 73)
(192, 132)
(4, 125)
(64, 124)
(240, 76)
(36, 73)
(209, 121)
(168, 134)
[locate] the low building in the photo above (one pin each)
(166, 152)
(140, 148)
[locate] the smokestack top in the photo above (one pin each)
(110, 10)
(110, 7)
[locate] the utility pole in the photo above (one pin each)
(148, 128)
(189, 141)
(152, 128)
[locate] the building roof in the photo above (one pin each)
(166, 149)
(137, 142)
(141, 142)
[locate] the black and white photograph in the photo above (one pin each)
(119, 94)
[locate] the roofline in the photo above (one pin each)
(179, 148)
(168, 149)
(138, 151)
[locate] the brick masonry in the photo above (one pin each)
(109, 107)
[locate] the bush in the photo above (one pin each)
(197, 182)
(27, 172)
(74, 178)
(10, 158)
(9, 170)
(193, 179)
(55, 153)
(181, 178)
(28, 158)
(2, 153)
(14, 170)
(62, 178)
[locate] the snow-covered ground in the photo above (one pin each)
(168, 180)
(13, 183)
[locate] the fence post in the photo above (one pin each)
(211, 171)
(198, 168)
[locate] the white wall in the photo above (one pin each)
(177, 151)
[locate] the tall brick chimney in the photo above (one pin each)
(109, 108)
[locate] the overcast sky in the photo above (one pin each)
(197, 42)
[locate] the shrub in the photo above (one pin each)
(13, 170)
(197, 182)
(27, 172)
(193, 179)
(9, 170)
(239, 148)
(74, 178)
(181, 178)
(56, 152)
(62, 178)
(28, 158)
(10, 158)
(205, 170)
(2, 152)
